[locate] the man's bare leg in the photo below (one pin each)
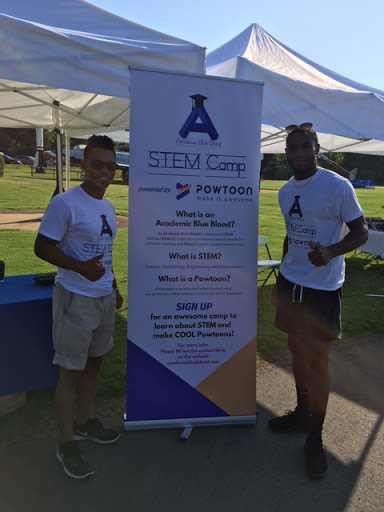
(319, 364)
(318, 399)
(65, 397)
(87, 388)
(299, 418)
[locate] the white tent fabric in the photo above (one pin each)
(348, 116)
(65, 64)
(116, 136)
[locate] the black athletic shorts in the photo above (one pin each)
(308, 312)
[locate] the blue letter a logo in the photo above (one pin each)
(295, 208)
(198, 112)
(105, 227)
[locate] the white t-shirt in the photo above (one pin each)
(85, 227)
(316, 209)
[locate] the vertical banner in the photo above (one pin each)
(193, 226)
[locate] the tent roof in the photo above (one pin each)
(345, 113)
(65, 64)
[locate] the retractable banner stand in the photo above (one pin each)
(193, 209)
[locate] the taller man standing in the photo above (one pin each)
(76, 235)
(318, 206)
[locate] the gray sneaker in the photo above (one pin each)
(73, 460)
(94, 430)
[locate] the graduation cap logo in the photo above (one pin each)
(198, 112)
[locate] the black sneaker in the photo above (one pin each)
(316, 460)
(292, 421)
(94, 430)
(73, 460)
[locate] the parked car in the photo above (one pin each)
(122, 159)
(9, 160)
(25, 159)
(50, 158)
(124, 172)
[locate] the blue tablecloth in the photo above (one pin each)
(26, 349)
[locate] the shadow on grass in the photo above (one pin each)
(356, 407)
(36, 419)
(356, 360)
(361, 314)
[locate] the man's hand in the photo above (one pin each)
(119, 299)
(92, 269)
(319, 256)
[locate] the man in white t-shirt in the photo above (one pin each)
(323, 222)
(77, 234)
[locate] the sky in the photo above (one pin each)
(346, 36)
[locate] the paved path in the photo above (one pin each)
(223, 469)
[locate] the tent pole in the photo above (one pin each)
(59, 164)
(39, 163)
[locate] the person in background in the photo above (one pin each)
(323, 222)
(77, 234)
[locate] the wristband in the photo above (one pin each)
(116, 289)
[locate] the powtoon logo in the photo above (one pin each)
(183, 190)
(225, 193)
(198, 112)
(225, 190)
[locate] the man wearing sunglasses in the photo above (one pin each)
(77, 234)
(318, 206)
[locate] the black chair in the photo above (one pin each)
(266, 267)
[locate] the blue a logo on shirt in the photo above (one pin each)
(295, 208)
(105, 227)
(198, 112)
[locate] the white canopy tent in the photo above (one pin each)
(65, 64)
(348, 116)
(116, 136)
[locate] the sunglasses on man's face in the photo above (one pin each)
(304, 127)
(98, 165)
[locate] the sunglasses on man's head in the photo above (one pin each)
(98, 165)
(304, 127)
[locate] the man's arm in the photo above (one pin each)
(357, 236)
(274, 288)
(119, 298)
(47, 249)
(285, 247)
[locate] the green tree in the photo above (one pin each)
(49, 140)
(370, 167)
(17, 141)
(122, 146)
(275, 167)
(22, 141)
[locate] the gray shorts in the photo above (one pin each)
(82, 327)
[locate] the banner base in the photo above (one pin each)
(187, 423)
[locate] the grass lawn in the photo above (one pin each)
(19, 191)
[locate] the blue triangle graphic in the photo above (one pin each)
(156, 393)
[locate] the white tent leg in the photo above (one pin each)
(67, 163)
(59, 164)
